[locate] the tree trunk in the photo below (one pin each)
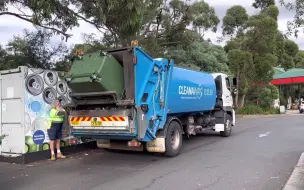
(242, 100)
(236, 98)
(237, 90)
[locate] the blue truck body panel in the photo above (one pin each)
(191, 91)
(170, 90)
(152, 75)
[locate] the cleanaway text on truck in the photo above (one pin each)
(126, 100)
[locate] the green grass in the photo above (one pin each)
(256, 110)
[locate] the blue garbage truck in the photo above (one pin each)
(126, 100)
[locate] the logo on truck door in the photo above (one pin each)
(190, 92)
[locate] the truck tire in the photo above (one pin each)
(174, 139)
(227, 127)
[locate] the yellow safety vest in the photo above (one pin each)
(54, 117)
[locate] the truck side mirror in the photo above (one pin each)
(234, 81)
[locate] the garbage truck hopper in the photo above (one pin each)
(102, 78)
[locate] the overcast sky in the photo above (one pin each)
(10, 26)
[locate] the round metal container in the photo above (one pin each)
(68, 95)
(34, 84)
(49, 95)
(35, 106)
(61, 88)
(50, 78)
(40, 124)
(63, 100)
(37, 70)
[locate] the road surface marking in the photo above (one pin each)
(264, 134)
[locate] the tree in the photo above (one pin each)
(122, 20)
(264, 95)
(260, 40)
(241, 65)
(204, 17)
(34, 50)
(263, 65)
(279, 48)
(287, 62)
(4, 64)
(297, 24)
(268, 94)
(253, 52)
(299, 59)
(263, 4)
(92, 44)
(158, 21)
(291, 48)
(53, 15)
(234, 20)
(201, 56)
(290, 51)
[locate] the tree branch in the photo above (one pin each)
(36, 24)
(147, 28)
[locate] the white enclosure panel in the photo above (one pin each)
(12, 111)
(13, 141)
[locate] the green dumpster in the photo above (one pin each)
(96, 72)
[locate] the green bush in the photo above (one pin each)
(270, 111)
(267, 95)
(264, 95)
(257, 110)
(250, 110)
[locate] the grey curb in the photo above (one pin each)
(296, 180)
(258, 116)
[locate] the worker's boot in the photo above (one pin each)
(60, 155)
(53, 157)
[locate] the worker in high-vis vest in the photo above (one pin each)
(57, 114)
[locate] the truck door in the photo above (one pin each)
(227, 95)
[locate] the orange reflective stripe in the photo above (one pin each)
(110, 119)
(114, 118)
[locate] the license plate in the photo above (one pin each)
(75, 122)
(96, 123)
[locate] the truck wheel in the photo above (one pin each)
(174, 139)
(227, 126)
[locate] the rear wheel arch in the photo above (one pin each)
(163, 132)
(173, 139)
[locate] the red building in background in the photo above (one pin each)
(292, 76)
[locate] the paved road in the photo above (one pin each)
(260, 155)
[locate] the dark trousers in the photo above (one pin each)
(55, 132)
